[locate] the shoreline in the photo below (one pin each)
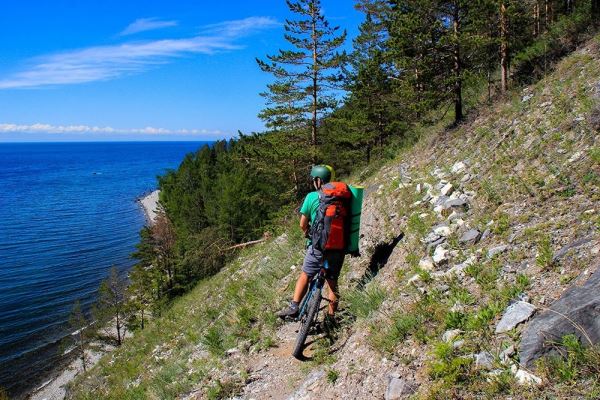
(150, 206)
(54, 384)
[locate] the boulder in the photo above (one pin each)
(450, 335)
(516, 313)
(440, 255)
(470, 237)
(458, 167)
(459, 203)
(443, 230)
(447, 189)
(494, 251)
(399, 388)
(484, 361)
(527, 378)
(426, 264)
(579, 305)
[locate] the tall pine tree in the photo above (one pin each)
(306, 76)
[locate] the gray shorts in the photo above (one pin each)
(313, 259)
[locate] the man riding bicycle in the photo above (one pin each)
(314, 258)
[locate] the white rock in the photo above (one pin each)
(418, 188)
(575, 157)
(527, 378)
(516, 313)
(458, 167)
(414, 279)
(494, 251)
(440, 255)
(484, 360)
(450, 335)
(443, 230)
(466, 178)
(447, 189)
(526, 98)
(426, 264)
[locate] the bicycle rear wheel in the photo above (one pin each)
(310, 316)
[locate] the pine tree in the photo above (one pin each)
(373, 112)
(415, 30)
(307, 76)
(82, 332)
(111, 301)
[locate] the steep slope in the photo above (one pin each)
(504, 207)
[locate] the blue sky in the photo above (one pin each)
(139, 70)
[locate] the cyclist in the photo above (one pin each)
(314, 259)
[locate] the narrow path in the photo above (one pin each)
(275, 374)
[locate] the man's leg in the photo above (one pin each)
(301, 285)
(334, 296)
(310, 267)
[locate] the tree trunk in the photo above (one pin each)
(142, 319)
(536, 18)
(458, 111)
(118, 330)
(82, 349)
(503, 47)
(546, 15)
(315, 76)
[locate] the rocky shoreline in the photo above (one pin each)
(150, 205)
(54, 387)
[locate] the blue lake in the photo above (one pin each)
(68, 212)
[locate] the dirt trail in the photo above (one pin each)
(275, 374)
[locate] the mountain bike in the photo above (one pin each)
(309, 309)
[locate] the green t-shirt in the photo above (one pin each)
(310, 206)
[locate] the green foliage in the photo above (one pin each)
(362, 303)
(417, 225)
(594, 153)
(560, 38)
(501, 224)
(573, 362)
(447, 366)
(223, 390)
(332, 375)
(545, 254)
(387, 338)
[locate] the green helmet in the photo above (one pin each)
(321, 171)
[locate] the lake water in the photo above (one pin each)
(68, 212)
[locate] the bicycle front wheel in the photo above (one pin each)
(310, 317)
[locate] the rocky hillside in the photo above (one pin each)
(468, 239)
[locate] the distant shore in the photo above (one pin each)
(150, 205)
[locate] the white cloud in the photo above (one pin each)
(109, 62)
(61, 129)
(146, 24)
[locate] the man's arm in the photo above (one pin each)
(304, 224)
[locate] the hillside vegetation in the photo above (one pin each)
(421, 306)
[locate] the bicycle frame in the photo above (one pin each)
(316, 283)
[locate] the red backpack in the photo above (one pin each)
(330, 229)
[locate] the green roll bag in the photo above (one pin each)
(355, 209)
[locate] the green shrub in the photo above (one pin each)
(455, 320)
(362, 303)
(447, 366)
(501, 224)
(573, 362)
(544, 258)
(386, 338)
(332, 375)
